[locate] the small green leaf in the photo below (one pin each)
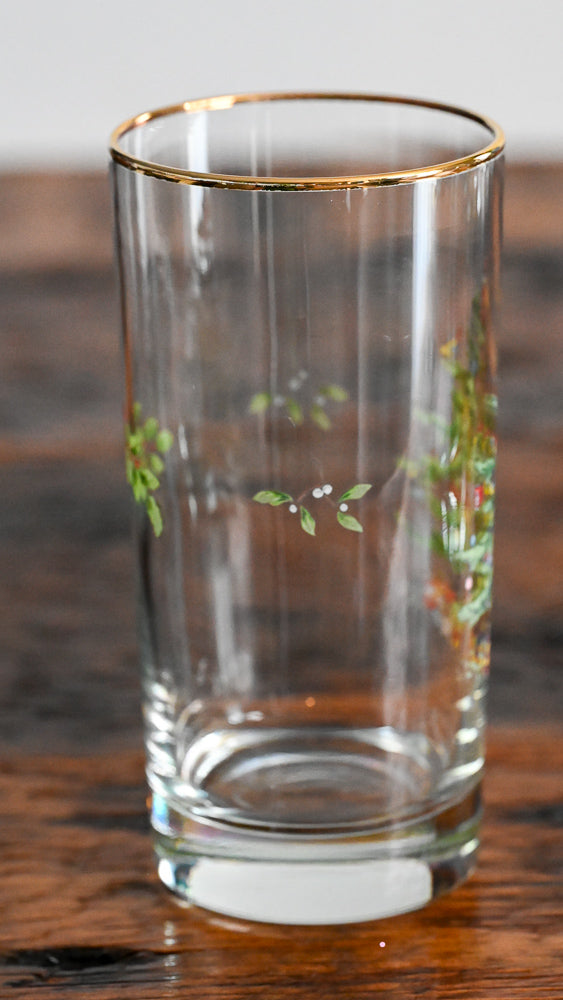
(151, 428)
(349, 522)
(307, 521)
(485, 468)
(294, 411)
(320, 418)
(435, 469)
(134, 441)
(164, 441)
(355, 492)
(272, 497)
(155, 517)
(487, 508)
(260, 402)
(491, 403)
(140, 491)
(470, 613)
(149, 479)
(129, 470)
(470, 558)
(437, 543)
(143, 464)
(335, 392)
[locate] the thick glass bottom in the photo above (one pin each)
(316, 878)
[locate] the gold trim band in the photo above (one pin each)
(180, 176)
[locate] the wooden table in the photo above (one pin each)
(82, 912)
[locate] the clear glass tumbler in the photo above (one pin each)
(308, 285)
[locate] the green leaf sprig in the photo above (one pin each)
(275, 498)
(145, 444)
(459, 482)
(315, 408)
(297, 410)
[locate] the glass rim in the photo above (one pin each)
(305, 183)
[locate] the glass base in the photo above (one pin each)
(316, 879)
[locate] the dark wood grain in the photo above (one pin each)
(81, 911)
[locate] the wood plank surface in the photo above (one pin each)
(81, 910)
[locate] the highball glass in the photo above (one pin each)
(309, 286)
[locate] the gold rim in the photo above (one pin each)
(181, 176)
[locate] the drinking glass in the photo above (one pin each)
(309, 286)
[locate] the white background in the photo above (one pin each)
(71, 70)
